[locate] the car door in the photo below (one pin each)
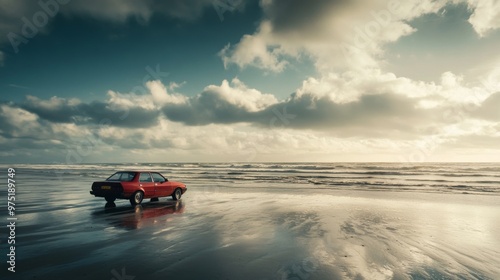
(146, 182)
(162, 186)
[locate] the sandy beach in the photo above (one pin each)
(221, 232)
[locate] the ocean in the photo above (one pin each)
(477, 178)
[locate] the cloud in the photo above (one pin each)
(15, 14)
(255, 50)
(490, 108)
(382, 114)
(336, 34)
(119, 110)
(55, 109)
(161, 96)
(344, 105)
(230, 103)
(121, 10)
(381, 110)
(227, 103)
(11, 13)
(19, 124)
(240, 142)
(136, 117)
(113, 10)
(184, 9)
(485, 17)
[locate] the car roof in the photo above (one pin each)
(138, 171)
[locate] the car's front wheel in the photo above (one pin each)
(137, 198)
(177, 194)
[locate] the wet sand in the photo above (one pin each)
(248, 233)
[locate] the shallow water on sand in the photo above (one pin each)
(249, 230)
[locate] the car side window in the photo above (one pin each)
(114, 177)
(122, 177)
(131, 176)
(158, 178)
(127, 176)
(145, 177)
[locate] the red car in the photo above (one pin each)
(137, 185)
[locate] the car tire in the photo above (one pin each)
(177, 194)
(110, 198)
(136, 198)
(109, 205)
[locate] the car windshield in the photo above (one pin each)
(122, 177)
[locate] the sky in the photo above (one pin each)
(249, 81)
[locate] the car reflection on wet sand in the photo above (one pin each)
(139, 216)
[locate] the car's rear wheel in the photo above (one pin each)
(136, 198)
(109, 205)
(177, 194)
(110, 198)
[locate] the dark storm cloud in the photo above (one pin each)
(371, 115)
(186, 9)
(293, 15)
(63, 111)
(15, 14)
(10, 129)
(368, 110)
(378, 112)
(29, 143)
(142, 10)
(206, 108)
(60, 111)
(5, 127)
(22, 128)
(136, 117)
